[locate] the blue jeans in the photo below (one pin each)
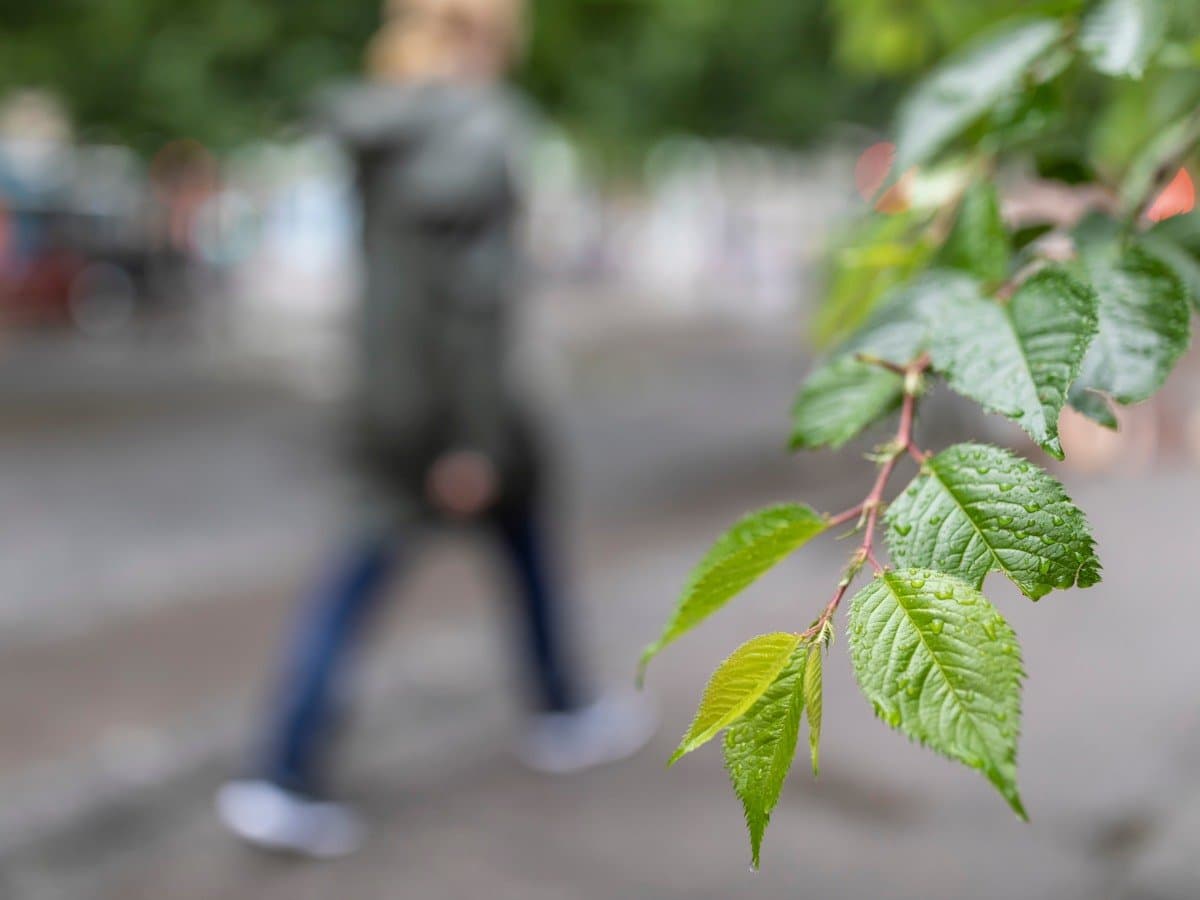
(334, 622)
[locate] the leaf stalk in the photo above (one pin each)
(873, 503)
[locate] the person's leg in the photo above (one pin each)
(551, 666)
(569, 731)
(303, 721)
(277, 808)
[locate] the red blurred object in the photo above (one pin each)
(40, 297)
(895, 199)
(872, 168)
(1176, 198)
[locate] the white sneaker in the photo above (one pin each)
(267, 816)
(613, 728)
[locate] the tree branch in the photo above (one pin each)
(873, 504)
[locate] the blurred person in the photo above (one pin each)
(442, 432)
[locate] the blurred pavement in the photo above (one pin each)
(157, 549)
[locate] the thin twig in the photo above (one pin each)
(843, 517)
(872, 360)
(873, 504)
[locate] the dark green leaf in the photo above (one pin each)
(1144, 327)
(976, 509)
(1020, 358)
(840, 400)
(1185, 265)
(966, 86)
(939, 663)
(1095, 406)
(844, 396)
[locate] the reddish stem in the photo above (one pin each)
(843, 517)
(873, 504)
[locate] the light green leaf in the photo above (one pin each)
(1121, 36)
(978, 242)
(976, 509)
(940, 664)
(759, 747)
(1144, 327)
(878, 253)
(738, 558)
(814, 701)
(968, 85)
(1020, 358)
(738, 682)
(844, 396)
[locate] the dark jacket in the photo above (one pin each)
(440, 202)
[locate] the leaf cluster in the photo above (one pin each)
(1010, 322)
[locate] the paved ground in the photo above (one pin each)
(116, 730)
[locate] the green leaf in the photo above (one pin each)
(940, 664)
(738, 682)
(1183, 231)
(966, 86)
(976, 509)
(840, 400)
(846, 395)
(878, 254)
(898, 331)
(738, 558)
(760, 746)
(1184, 264)
(1095, 406)
(1020, 358)
(978, 242)
(1121, 36)
(1167, 144)
(814, 701)
(1144, 327)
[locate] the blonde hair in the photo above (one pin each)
(431, 38)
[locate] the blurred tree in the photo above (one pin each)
(628, 70)
(1113, 124)
(618, 72)
(144, 71)
(897, 36)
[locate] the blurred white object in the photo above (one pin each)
(613, 728)
(267, 816)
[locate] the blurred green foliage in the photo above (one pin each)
(143, 71)
(1066, 119)
(617, 72)
(898, 36)
(626, 71)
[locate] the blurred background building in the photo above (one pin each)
(177, 273)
